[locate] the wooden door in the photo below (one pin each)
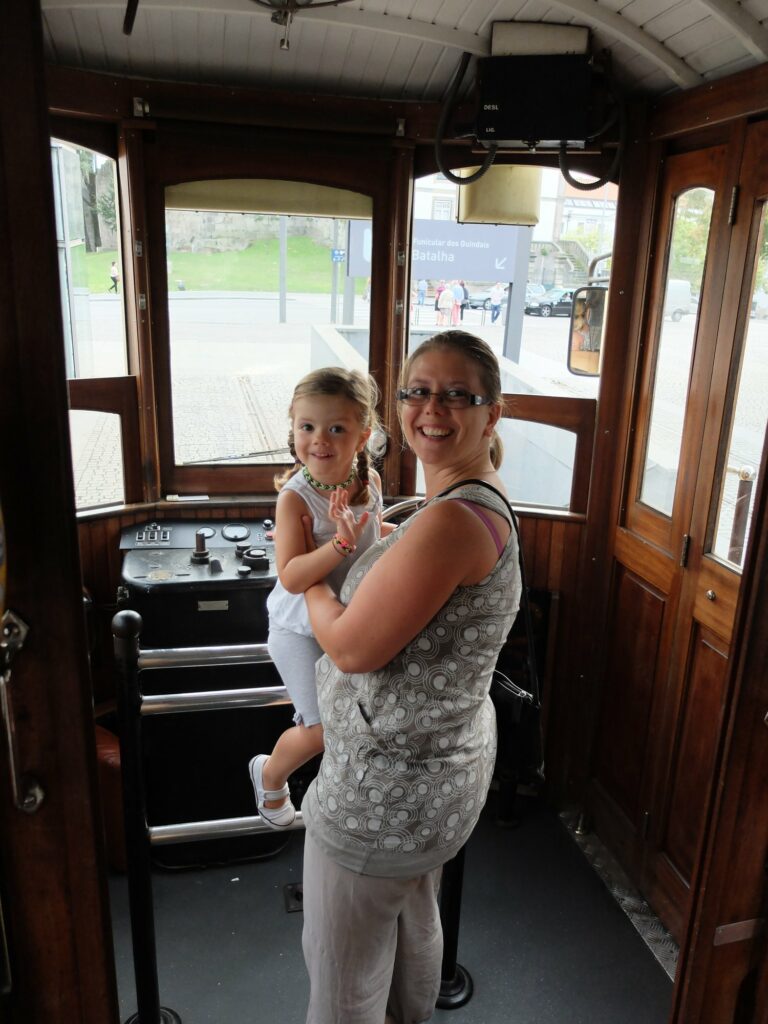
(56, 962)
(676, 549)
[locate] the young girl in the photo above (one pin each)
(332, 415)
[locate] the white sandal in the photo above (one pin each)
(274, 817)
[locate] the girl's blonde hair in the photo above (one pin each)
(356, 387)
(487, 364)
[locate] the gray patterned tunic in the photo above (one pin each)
(410, 748)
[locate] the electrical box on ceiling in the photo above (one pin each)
(534, 89)
(536, 100)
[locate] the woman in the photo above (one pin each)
(410, 735)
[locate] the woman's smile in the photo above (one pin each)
(435, 431)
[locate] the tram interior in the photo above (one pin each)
(228, 195)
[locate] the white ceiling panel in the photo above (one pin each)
(395, 49)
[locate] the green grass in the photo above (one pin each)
(253, 269)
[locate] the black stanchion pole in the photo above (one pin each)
(126, 629)
(456, 985)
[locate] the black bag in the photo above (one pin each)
(518, 699)
(516, 692)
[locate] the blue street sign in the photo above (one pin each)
(444, 249)
(338, 255)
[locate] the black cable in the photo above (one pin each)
(615, 163)
(443, 122)
(130, 16)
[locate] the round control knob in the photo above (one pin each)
(256, 558)
(243, 570)
(268, 524)
(241, 547)
(235, 531)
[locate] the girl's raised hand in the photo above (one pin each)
(347, 525)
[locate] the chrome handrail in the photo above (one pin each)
(408, 505)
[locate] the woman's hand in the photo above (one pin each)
(347, 526)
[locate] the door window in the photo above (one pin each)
(674, 352)
(745, 433)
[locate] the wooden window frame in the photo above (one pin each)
(681, 176)
(374, 170)
(117, 395)
(576, 415)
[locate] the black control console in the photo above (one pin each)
(200, 584)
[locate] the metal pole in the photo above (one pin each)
(456, 984)
(126, 629)
(334, 274)
(283, 268)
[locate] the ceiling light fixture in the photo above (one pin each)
(283, 12)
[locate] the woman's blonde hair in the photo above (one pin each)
(352, 385)
(484, 358)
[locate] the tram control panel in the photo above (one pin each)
(198, 583)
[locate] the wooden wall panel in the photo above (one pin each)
(699, 724)
(632, 638)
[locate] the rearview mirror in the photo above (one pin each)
(585, 341)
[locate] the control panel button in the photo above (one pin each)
(243, 570)
(256, 558)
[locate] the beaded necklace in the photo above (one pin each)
(327, 487)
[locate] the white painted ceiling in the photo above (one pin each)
(396, 49)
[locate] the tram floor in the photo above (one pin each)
(541, 935)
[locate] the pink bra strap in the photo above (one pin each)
(481, 514)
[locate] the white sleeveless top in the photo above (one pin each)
(290, 610)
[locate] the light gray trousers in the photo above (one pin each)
(373, 946)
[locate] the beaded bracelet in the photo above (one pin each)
(342, 545)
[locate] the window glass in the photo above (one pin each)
(513, 285)
(538, 463)
(746, 429)
(90, 268)
(674, 351)
(97, 458)
(256, 301)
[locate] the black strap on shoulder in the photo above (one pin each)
(533, 672)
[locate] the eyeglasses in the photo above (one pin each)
(451, 398)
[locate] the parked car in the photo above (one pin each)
(555, 302)
(678, 301)
(481, 300)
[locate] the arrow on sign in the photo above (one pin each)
(500, 263)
